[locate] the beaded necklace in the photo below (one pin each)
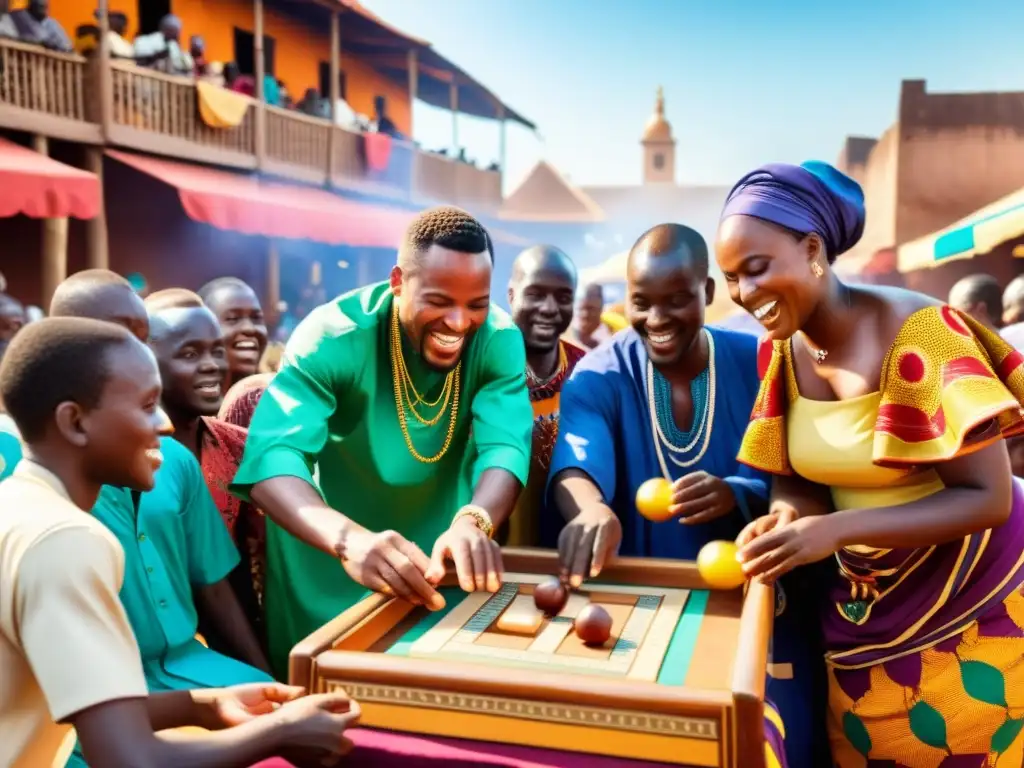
(678, 442)
(535, 381)
(403, 385)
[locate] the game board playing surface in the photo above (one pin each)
(680, 679)
(652, 637)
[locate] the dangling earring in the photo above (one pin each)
(817, 270)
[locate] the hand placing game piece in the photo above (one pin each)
(550, 596)
(593, 625)
(719, 565)
(587, 542)
(477, 558)
(654, 499)
(389, 563)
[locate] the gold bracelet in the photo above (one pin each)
(480, 515)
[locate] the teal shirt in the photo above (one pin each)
(176, 542)
(10, 446)
(329, 417)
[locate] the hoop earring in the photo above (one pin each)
(817, 270)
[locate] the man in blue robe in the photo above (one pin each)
(668, 397)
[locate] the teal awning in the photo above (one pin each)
(978, 233)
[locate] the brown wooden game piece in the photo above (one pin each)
(593, 625)
(550, 596)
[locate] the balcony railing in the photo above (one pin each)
(47, 92)
(59, 95)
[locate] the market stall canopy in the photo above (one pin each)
(372, 40)
(978, 233)
(38, 186)
(252, 206)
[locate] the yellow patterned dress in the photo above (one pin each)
(925, 646)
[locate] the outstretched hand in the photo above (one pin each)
(587, 542)
(241, 703)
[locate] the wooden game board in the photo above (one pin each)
(680, 681)
(643, 620)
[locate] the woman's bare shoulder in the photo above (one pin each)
(895, 306)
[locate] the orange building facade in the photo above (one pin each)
(299, 49)
(180, 195)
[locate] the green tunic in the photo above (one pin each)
(329, 417)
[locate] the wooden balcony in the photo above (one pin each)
(47, 93)
(59, 95)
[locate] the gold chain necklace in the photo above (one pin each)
(407, 384)
(401, 378)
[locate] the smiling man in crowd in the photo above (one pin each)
(541, 294)
(671, 398)
(240, 314)
(429, 348)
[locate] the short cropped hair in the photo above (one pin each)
(219, 283)
(448, 227)
(56, 360)
(979, 289)
(173, 298)
(74, 296)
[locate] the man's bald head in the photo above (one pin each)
(100, 294)
(670, 244)
(1013, 301)
(77, 295)
(541, 294)
(543, 258)
(979, 296)
(668, 289)
(171, 298)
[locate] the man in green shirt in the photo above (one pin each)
(399, 424)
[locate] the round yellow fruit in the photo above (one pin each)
(719, 566)
(653, 499)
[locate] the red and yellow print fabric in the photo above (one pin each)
(944, 375)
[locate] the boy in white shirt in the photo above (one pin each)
(84, 396)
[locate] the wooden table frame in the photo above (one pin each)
(740, 711)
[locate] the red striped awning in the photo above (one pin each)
(252, 206)
(38, 186)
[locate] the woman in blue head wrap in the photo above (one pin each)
(881, 416)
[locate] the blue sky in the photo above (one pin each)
(745, 81)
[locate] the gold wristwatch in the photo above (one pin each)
(480, 515)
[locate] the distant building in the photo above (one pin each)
(595, 223)
(945, 156)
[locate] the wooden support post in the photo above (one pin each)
(453, 104)
(335, 93)
(260, 67)
(99, 248)
(55, 243)
(273, 296)
(104, 75)
(412, 65)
